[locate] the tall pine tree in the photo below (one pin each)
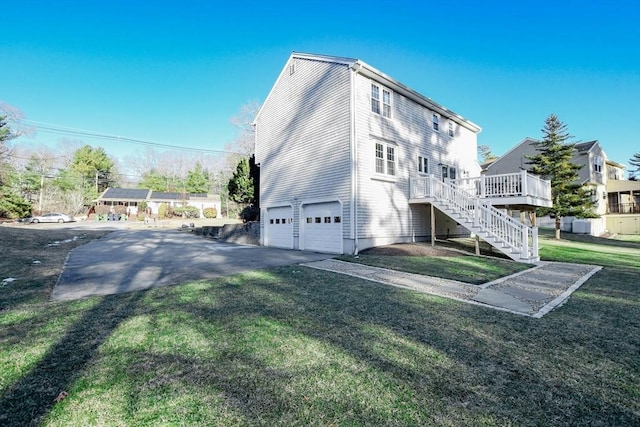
(553, 162)
(240, 186)
(635, 162)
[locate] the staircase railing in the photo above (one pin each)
(483, 216)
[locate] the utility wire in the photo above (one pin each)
(63, 130)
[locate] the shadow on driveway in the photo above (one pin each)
(128, 260)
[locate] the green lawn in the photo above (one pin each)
(468, 269)
(296, 346)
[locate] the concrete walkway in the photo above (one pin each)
(533, 292)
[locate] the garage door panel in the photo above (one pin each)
(279, 227)
(322, 227)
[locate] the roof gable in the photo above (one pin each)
(585, 147)
(367, 70)
(521, 147)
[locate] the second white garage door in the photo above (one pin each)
(279, 227)
(321, 226)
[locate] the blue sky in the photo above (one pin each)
(176, 72)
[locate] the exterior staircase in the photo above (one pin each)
(508, 235)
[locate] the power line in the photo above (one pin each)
(64, 130)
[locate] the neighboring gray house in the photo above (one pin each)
(610, 193)
(350, 159)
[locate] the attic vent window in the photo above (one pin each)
(292, 68)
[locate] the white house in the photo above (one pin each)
(129, 198)
(350, 159)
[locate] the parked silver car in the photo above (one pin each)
(52, 217)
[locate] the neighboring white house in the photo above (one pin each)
(611, 194)
(350, 159)
(131, 197)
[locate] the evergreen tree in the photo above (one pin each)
(553, 162)
(240, 186)
(12, 204)
(635, 162)
(197, 180)
(155, 181)
(486, 154)
(94, 167)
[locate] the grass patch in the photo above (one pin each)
(297, 346)
(469, 269)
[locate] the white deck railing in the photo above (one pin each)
(521, 184)
(485, 217)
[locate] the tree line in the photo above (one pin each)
(70, 178)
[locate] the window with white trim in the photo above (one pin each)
(597, 164)
(375, 99)
(451, 132)
(385, 159)
(386, 103)
(448, 172)
(385, 109)
(436, 122)
(423, 165)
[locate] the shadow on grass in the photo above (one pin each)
(446, 360)
(297, 346)
(496, 373)
(32, 397)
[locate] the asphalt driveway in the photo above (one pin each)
(135, 260)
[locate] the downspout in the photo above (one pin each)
(354, 158)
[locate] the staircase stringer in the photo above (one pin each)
(508, 235)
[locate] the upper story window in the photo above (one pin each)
(385, 159)
(377, 98)
(423, 165)
(451, 132)
(613, 172)
(436, 122)
(448, 172)
(597, 164)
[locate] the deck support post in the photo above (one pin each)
(433, 226)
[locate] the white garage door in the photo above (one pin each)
(279, 227)
(322, 227)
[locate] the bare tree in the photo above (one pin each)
(244, 142)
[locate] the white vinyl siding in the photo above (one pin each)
(306, 117)
(384, 213)
(305, 132)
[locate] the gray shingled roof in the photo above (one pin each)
(585, 146)
(161, 195)
(125, 194)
